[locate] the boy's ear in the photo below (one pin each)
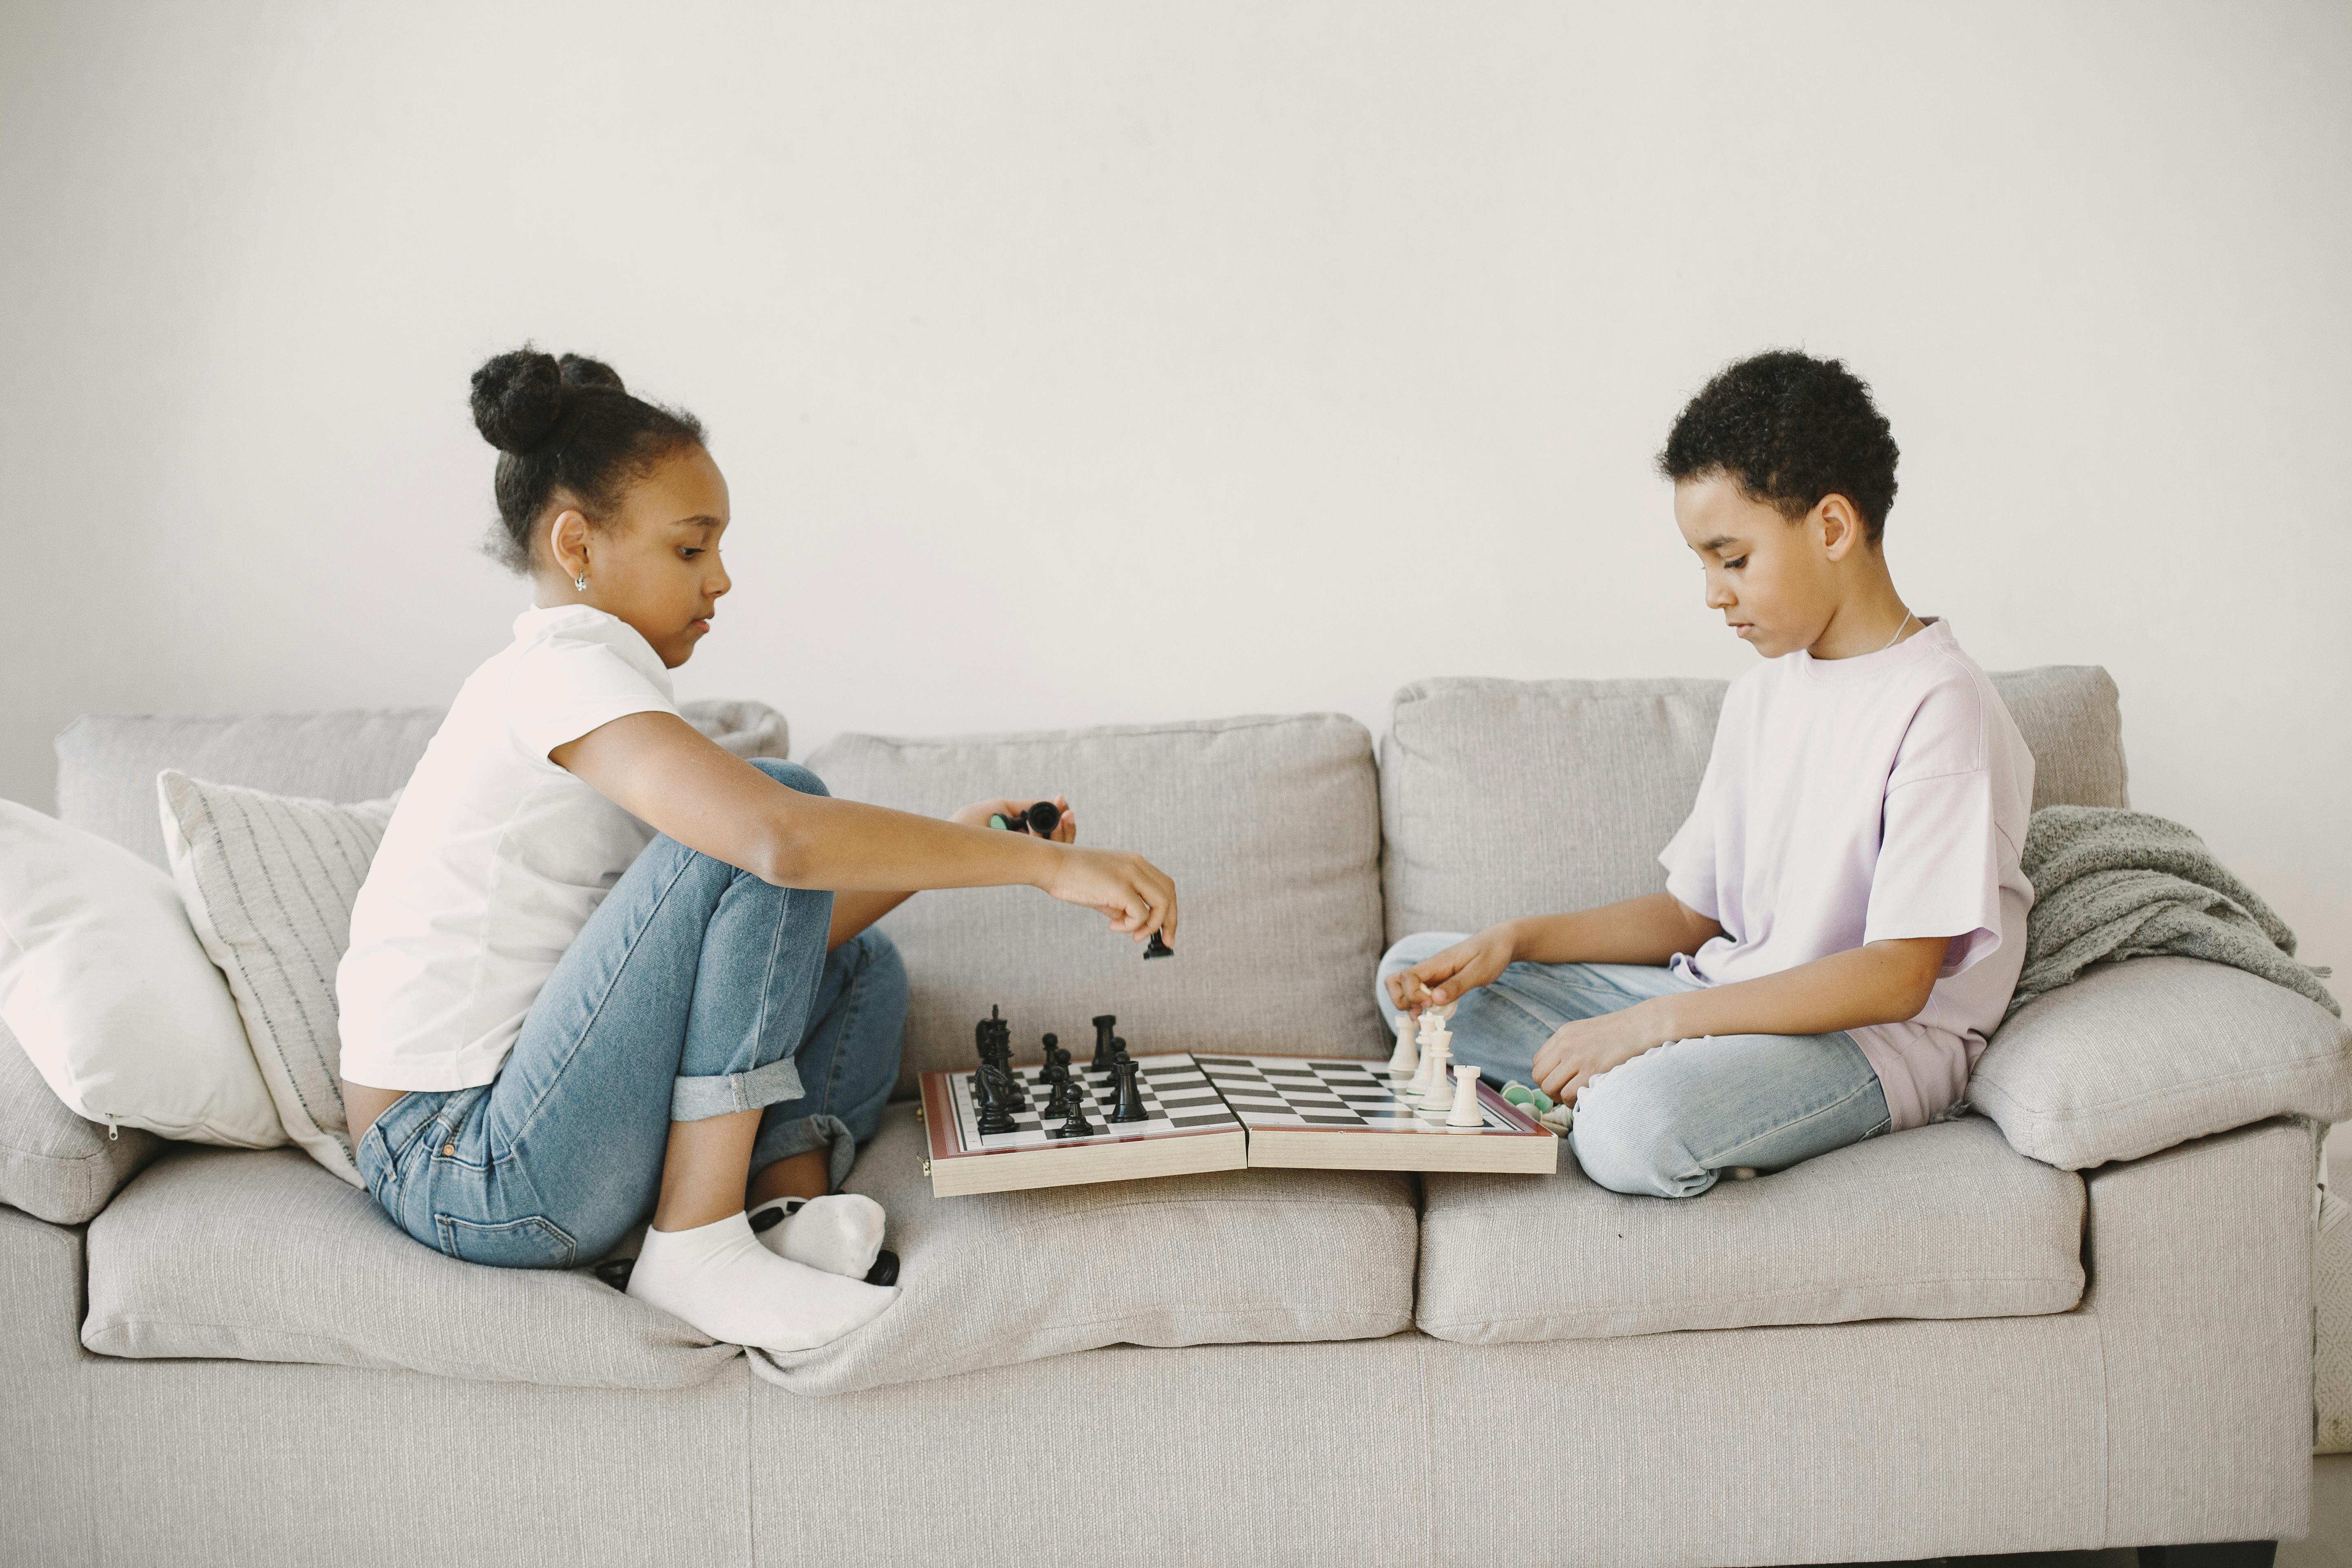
(1841, 526)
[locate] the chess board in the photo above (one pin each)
(1188, 1128)
(1328, 1114)
(1222, 1113)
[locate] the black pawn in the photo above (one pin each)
(1078, 1126)
(1155, 948)
(1058, 1102)
(1102, 1027)
(1130, 1094)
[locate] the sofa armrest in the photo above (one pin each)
(2136, 1057)
(2200, 1264)
(53, 1164)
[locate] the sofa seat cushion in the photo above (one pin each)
(1943, 1221)
(1270, 827)
(1227, 1258)
(266, 1256)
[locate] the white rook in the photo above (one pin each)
(1466, 1098)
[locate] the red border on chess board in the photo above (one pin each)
(938, 1117)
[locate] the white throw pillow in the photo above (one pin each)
(268, 880)
(103, 983)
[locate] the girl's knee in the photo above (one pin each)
(792, 775)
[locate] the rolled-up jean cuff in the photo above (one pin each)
(699, 1099)
(784, 1139)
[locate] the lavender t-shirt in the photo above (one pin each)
(1858, 800)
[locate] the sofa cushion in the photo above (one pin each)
(1228, 1257)
(1270, 828)
(53, 1164)
(1505, 797)
(2138, 1055)
(1944, 1221)
(269, 881)
(106, 764)
(266, 1256)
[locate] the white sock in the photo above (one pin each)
(721, 1280)
(841, 1234)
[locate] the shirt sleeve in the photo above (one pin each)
(565, 687)
(1938, 871)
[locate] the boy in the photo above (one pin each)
(1844, 917)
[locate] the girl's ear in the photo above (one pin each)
(567, 542)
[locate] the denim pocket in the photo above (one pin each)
(533, 1241)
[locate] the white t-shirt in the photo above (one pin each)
(494, 856)
(1858, 800)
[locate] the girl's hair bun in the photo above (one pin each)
(517, 399)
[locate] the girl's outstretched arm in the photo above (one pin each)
(669, 775)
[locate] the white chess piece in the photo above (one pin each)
(1406, 1061)
(1466, 1098)
(1429, 1087)
(1412, 1090)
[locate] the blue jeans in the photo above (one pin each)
(696, 989)
(1670, 1121)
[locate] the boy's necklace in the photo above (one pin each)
(1907, 618)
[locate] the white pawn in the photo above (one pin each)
(1405, 1062)
(1466, 1098)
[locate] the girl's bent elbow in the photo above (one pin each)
(783, 861)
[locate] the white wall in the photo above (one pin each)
(1074, 367)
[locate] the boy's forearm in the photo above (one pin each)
(1882, 983)
(1648, 930)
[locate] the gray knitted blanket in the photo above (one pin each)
(2111, 884)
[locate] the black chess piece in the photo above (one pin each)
(1130, 1093)
(1102, 1027)
(1040, 818)
(1158, 948)
(996, 1114)
(1078, 1126)
(1057, 1103)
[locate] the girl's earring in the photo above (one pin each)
(580, 581)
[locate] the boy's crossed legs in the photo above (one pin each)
(1670, 1121)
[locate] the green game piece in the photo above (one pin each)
(1535, 1101)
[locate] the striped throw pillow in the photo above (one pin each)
(269, 880)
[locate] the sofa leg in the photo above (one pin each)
(2216, 1554)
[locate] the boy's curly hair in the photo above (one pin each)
(1788, 429)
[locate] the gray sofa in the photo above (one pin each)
(1926, 1344)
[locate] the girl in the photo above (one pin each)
(601, 965)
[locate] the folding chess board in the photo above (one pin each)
(1222, 1113)
(1188, 1128)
